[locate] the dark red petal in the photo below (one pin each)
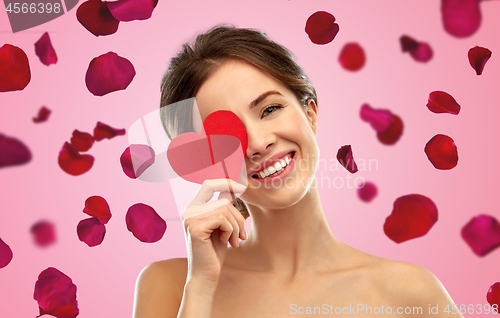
(321, 27)
(72, 162)
(392, 134)
(493, 296)
(97, 207)
(367, 192)
(379, 119)
(136, 159)
(346, 159)
(442, 152)
(44, 233)
(94, 15)
(45, 51)
(461, 18)
(102, 131)
(478, 56)
(413, 216)
(108, 73)
(146, 225)
(91, 231)
(81, 141)
(408, 44)
(352, 57)
(14, 69)
(482, 234)
(5, 254)
(43, 115)
(129, 10)
(442, 102)
(423, 52)
(55, 293)
(13, 152)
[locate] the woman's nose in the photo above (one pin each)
(260, 142)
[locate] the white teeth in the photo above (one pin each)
(262, 174)
(283, 163)
(271, 169)
(277, 166)
(266, 172)
(287, 159)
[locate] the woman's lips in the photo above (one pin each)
(284, 172)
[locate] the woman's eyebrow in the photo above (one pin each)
(262, 97)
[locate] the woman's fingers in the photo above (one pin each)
(209, 187)
(202, 228)
(192, 211)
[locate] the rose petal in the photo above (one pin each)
(367, 192)
(144, 223)
(379, 119)
(461, 18)
(81, 141)
(344, 156)
(392, 134)
(482, 234)
(43, 115)
(493, 295)
(442, 102)
(321, 27)
(423, 52)
(14, 69)
(108, 73)
(43, 233)
(129, 10)
(478, 56)
(13, 152)
(91, 231)
(73, 162)
(45, 51)
(413, 216)
(136, 159)
(5, 254)
(352, 57)
(97, 207)
(102, 131)
(56, 294)
(408, 43)
(94, 15)
(442, 152)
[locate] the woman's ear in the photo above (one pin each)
(312, 114)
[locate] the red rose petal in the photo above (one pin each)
(129, 10)
(44, 233)
(408, 43)
(478, 56)
(493, 296)
(56, 294)
(13, 152)
(392, 134)
(43, 115)
(321, 27)
(461, 18)
(5, 254)
(73, 162)
(379, 119)
(97, 207)
(442, 152)
(91, 231)
(45, 51)
(482, 234)
(146, 225)
(442, 102)
(14, 69)
(352, 57)
(423, 52)
(81, 141)
(94, 15)
(413, 216)
(136, 159)
(367, 192)
(344, 156)
(108, 73)
(102, 131)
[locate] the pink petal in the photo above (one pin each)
(392, 134)
(379, 119)
(478, 56)
(97, 207)
(73, 162)
(108, 73)
(81, 141)
(346, 159)
(482, 234)
(43, 115)
(461, 18)
(321, 27)
(493, 296)
(352, 57)
(91, 231)
(368, 192)
(136, 159)
(129, 10)
(5, 254)
(442, 102)
(45, 51)
(43, 233)
(13, 152)
(102, 131)
(94, 15)
(413, 216)
(14, 69)
(442, 152)
(146, 225)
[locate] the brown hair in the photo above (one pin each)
(194, 64)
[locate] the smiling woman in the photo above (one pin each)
(290, 259)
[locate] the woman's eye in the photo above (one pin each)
(270, 110)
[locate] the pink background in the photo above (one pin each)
(106, 274)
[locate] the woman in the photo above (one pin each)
(290, 262)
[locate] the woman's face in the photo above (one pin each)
(278, 128)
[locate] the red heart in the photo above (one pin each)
(225, 122)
